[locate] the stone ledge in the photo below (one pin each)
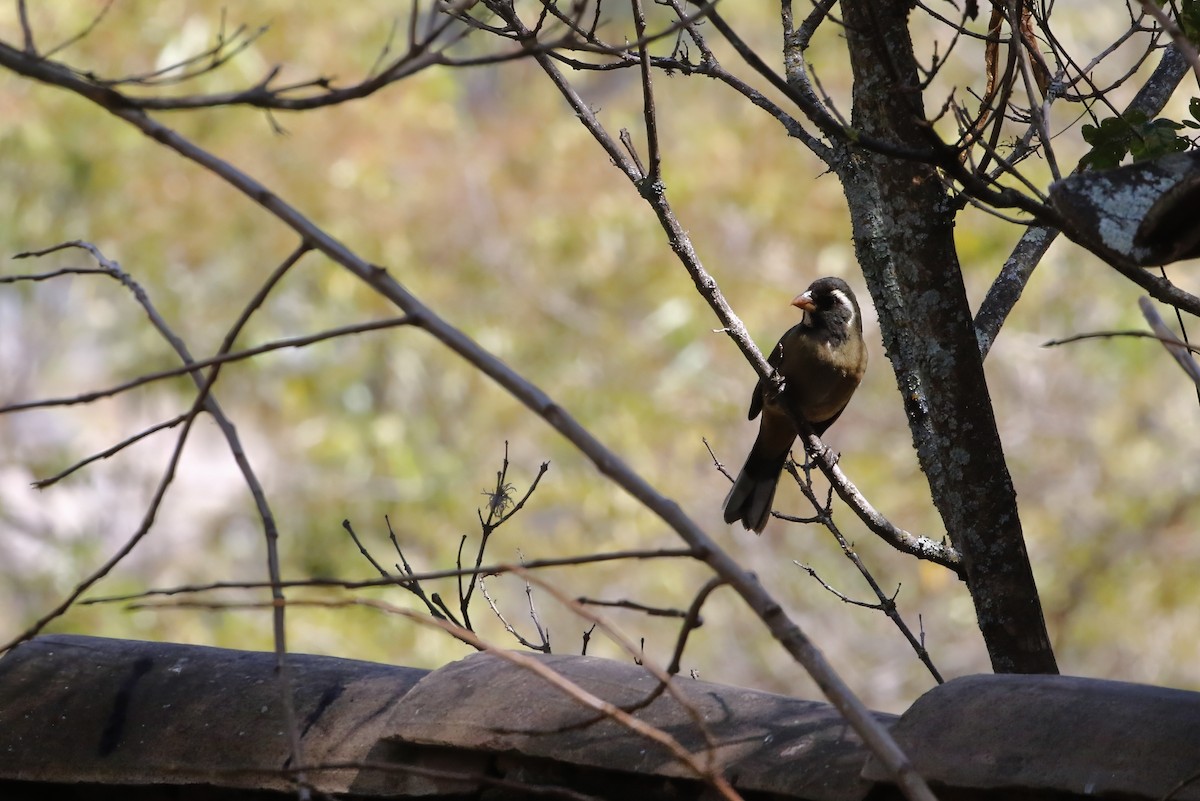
(86, 717)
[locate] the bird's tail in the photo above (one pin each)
(750, 499)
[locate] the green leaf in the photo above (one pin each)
(1132, 134)
(1156, 138)
(1134, 118)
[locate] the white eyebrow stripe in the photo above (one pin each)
(841, 298)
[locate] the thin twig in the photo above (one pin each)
(432, 575)
(939, 552)
(200, 403)
(1178, 37)
(881, 606)
(543, 632)
(692, 621)
(1183, 332)
(26, 30)
(1167, 338)
(219, 359)
(366, 554)
(665, 679)
(654, 156)
(412, 581)
(650, 611)
(14, 279)
(498, 514)
(541, 647)
(206, 402)
(1181, 351)
(104, 454)
(270, 529)
(887, 604)
(83, 32)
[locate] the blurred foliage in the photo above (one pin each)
(1132, 134)
(489, 201)
(1187, 16)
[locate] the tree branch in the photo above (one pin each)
(1035, 242)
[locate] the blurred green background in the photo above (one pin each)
(484, 196)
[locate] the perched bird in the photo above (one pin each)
(821, 359)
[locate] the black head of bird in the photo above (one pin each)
(821, 360)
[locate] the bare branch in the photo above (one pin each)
(224, 50)
(498, 514)
(26, 30)
(652, 611)
(887, 604)
(543, 646)
(303, 95)
(938, 552)
(33, 277)
(1181, 351)
(206, 402)
(220, 359)
(665, 679)
(880, 606)
(432, 575)
(1178, 38)
(1018, 268)
(1168, 339)
(119, 555)
(412, 581)
(654, 173)
(120, 446)
(692, 621)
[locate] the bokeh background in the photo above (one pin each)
(484, 196)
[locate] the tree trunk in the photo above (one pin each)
(903, 222)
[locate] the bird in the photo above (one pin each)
(822, 360)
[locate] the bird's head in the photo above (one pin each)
(829, 303)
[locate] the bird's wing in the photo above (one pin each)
(774, 359)
(756, 400)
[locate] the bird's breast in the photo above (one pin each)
(824, 386)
